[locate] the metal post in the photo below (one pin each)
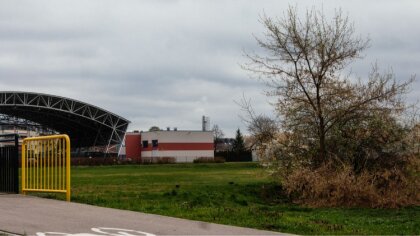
(23, 168)
(16, 164)
(68, 195)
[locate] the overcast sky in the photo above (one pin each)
(167, 63)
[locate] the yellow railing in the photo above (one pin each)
(46, 164)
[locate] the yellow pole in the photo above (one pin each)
(31, 168)
(44, 145)
(59, 163)
(53, 165)
(68, 195)
(49, 164)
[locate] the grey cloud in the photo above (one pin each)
(166, 63)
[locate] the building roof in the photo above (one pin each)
(86, 125)
(169, 131)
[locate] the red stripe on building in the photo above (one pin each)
(180, 147)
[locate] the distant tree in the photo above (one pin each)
(154, 128)
(217, 136)
(238, 143)
(262, 128)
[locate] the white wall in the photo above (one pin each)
(178, 136)
(180, 156)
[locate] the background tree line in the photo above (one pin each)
(231, 150)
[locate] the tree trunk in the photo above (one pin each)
(322, 149)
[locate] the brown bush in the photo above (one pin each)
(100, 161)
(165, 160)
(219, 160)
(327, 187)
(157, 160)
(94, 161)
(209, 160)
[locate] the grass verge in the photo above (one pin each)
(231, 193)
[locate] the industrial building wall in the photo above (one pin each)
(133, 145)
(184, 146)
(180, 156)
(179, 136)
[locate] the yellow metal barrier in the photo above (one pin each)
(46, 164)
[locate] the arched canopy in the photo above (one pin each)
(87, 125)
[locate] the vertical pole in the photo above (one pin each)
(27, 164)
(45, 147)
(23, 166)
(63, 156)
(48, 164)
(16, 164)
(53, 148)
(60, 156)
(68, 195)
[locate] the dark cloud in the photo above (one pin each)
(167, 63)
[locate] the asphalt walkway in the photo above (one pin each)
(27, 215)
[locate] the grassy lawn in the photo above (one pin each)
(231, 193)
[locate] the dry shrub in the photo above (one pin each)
(204, 160)
(219, 160)
(209, 160)
(327, 187)
(165, 160)
(94, 161)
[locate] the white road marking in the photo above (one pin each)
(101, 231)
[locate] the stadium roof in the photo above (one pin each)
(86, 125)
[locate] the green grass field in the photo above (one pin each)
(232, 193)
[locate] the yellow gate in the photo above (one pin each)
(46, 164)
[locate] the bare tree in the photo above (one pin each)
(217, 136)
(262, 128)
(303, 66)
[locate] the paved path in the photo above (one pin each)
(26, 215)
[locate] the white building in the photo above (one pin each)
(183, 146)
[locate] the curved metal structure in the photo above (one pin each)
(87, 125)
